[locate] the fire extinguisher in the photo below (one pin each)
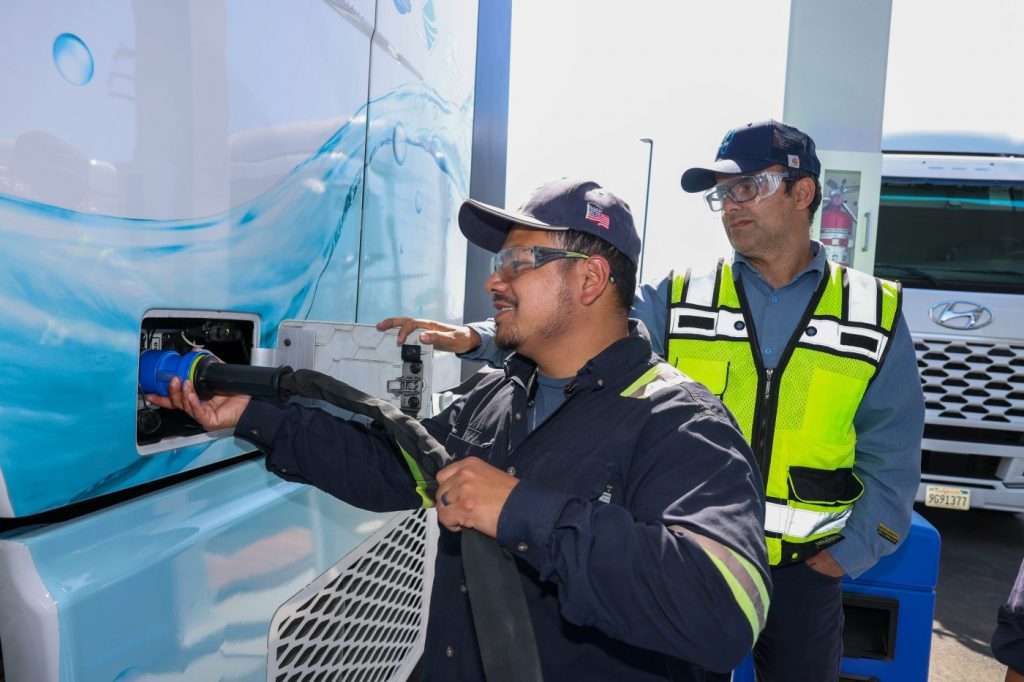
(837, 222)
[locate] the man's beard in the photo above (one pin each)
(509, 337)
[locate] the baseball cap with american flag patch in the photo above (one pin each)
(565, 204)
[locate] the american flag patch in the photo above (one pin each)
(596, 215)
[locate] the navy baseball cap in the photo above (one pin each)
(558, 206)
(754, 147)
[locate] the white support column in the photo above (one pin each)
(835, 92)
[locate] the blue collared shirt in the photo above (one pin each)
(889, 421)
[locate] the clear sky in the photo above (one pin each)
(589, 78)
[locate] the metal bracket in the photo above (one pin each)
(409, 386)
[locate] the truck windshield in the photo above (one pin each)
(952, 236)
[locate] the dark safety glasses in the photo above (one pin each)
(511, 262)
(744, 189)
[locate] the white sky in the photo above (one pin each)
(589, 78)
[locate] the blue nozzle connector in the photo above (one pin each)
(158, 367)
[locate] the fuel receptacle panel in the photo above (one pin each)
(231, 336)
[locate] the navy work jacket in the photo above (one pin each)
(613, 592)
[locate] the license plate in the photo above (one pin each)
(947, 498)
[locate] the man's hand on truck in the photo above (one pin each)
(446, 337)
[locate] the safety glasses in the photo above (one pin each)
(744, 189)
(511, 262)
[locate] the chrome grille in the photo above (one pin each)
(361, 620)
(972, 380)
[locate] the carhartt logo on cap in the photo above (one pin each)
(724, 147)
(596, 215)
(794, 161)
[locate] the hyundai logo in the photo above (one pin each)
(961, 315)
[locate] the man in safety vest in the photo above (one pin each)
(815, 361)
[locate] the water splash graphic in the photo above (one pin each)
(429, 24)
(74, 288)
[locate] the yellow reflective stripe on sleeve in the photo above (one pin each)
(417, 475)
(745, 583)
(653, 380)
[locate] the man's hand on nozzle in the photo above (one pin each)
(447, 337)
(219, 412)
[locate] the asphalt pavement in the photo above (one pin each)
(981, 553)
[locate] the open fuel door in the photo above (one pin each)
(362, 357)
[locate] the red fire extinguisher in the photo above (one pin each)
(837, 222)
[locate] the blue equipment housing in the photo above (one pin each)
(889, 611)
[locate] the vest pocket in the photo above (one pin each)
(824, 486)
(831, 404)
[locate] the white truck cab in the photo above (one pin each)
(951, 229)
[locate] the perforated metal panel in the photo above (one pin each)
(364, 619)
(972, 381)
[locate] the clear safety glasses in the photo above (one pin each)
(511, 262)
(744, 189)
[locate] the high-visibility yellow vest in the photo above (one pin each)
(797, 417)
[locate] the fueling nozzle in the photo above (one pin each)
(207, 374)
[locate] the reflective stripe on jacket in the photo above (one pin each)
(798, 416)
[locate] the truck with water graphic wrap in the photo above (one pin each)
(951, 228)
(221, 175)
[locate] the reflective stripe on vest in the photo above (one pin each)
(804, 415)
(802, 523)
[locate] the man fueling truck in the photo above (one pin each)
(181, 175)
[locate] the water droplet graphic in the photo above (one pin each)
(399, 144)
(403, 6)
(429, 24)
(442, 161)
(72, 59)
(419, 202)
